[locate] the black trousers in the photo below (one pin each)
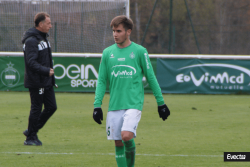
(37, 117)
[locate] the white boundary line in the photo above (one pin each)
(150, 155)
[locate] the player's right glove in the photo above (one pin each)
(163, 111)
(98, 115)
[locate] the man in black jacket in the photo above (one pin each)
(39, 76)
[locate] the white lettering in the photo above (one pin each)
(10, 77)
(87, 71)
(220, 77)
(122, 73)
(206, 78)
(84, 83)
(234, 87)
(229, 156)
(121, 59)
(240, 79)
(82, 72)
(195, 81)
(186, 78)
(73, 83)
(63, 75)
(146, 60)
(73, 71)
(231, 79)
(179, 78)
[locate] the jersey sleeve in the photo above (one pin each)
(150, 76)
(101, 83)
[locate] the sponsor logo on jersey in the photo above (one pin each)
(112, 56)
(146, 58)
(121, 59)
(10, 76)
(42, 45)
(123, 71)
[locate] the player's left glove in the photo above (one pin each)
(163, 112)
(98, 115)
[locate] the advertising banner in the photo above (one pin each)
(205, 76)
(76, 74)
(11, 73)
(79, 74)
(186, 75)
(72, 74)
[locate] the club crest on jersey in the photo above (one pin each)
(112, 56)
(132, 56)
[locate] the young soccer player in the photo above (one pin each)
(123, 65)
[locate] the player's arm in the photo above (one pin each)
(31, 49)
(153, 83)
(150, 76)
(100, 91)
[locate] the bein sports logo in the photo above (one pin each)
(10, 76)
(125, 73)
(79, 75)
(218, 81)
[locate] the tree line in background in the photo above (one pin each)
(220, 26)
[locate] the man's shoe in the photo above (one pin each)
(32, 143)
(26, 132)
(38, 141)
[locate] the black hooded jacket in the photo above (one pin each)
(38, 59)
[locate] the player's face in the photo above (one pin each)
(121, 36)
(45, 25)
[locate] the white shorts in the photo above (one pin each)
(122, 120)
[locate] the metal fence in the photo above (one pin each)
(78, 26)
(82, 26)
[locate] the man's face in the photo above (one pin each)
(120, 35)
(45, 25)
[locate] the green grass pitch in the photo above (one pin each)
(197, 133)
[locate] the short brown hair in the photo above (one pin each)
(126, 22)
(41, 16)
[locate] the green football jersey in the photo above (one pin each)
(123, 69)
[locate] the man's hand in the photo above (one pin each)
(98, 115)
(51, 72)
(163, 111)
